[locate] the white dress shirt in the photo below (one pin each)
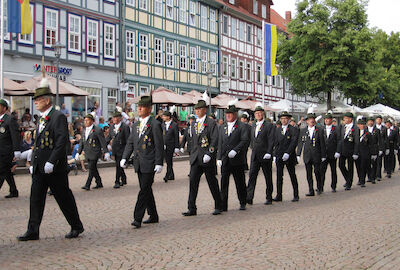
(258, 126)
(230, 127)
(1, 116)
(379, 127)
(328, 130)
(370, 129)
(142, 124)
(167, 124)
(284, 128)
(311, 131)
(361, 134)
(200, 122)
(43, 115)
(87, 131)
(348, 128)
(116, 127)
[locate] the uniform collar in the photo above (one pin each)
(46, 113)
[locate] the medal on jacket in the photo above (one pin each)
(2, 130)
(204, 142)
(313, 141)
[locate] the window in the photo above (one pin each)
(255, 7)
(109, 40)
(193, 58)
(204, 60)
(224, 66)
(170, 9)
(92, 33)
(241, 70)
(264, 11)
(144, 90)
(158, 7)
(259, 36)
(213, 61)
(259, 73)
(278, 81)
(27, 38)
(248, 72)
(233, 27)
(111, 100)
(51, 27)
(143, 4)
(158, 52)
(232, 2)
(248, 33)
(233, 68)
(183, 55)
(241, 31)
(213, 22)
(5, 23)
(74, 33)
(182, 11)
(225, 24)
(143, 48)
(130, 45)
(192, 13)
(170, 53)
(204, 22)
(130, 3)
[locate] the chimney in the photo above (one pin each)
(288, 16)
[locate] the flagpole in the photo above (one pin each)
(263, 63)
(2, 49)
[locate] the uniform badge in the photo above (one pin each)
(212, 149)
(46, 133)
(144, 147)
(47, 144)
(2, 130)
(288, 137)
(42, 146)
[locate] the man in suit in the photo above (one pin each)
(313, 141)
(202, 159)
(367, 150)
(377, 146)
(348, 149)
(233, 141)
(244, 118)
(49, 167)
(146, 144)
(188, 136)
(10, 147)
(92, 145)
(286, 138)
(118, 137)
(391, 147)
(262, 140)
(379, 161)
(332, 137)
(171, 143)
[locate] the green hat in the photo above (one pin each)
(279, 122)
(145, 101)
(231, 109)
(192, 117)
(362, 121)
(259, 108)
(42, 91)
(4, 103)
(348, 114)
(213, 116)
(328, 116)
(388, 121)
(285, 114)
(379, 116)
(371, 118)
(90, 116)
(200, 104)
(310, 115)
(245, 115)
(167, 113)
(117, 114)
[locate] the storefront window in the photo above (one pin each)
(78, 106)
(94, 95)
(111, 101)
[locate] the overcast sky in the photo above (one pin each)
(383, 14)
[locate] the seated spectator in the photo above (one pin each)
(102, 124)
(64, 110)
(26, 148)
(75, 145)
(27, 123)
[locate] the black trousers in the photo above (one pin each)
(120, 176)
(291, 167)
(10, 181)
(372, 170)
(196, 171)
(363, 165)
(379, 161)
(389, 162)
(58, 183)
(266, 167)
(317, 172)
(324, 166)
(145, 199)
(240, 182)
(348, 171)
(168, 159)
(93, 172)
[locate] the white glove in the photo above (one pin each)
(285, 157)
(274, 159)
(107, 156)
(380, 153)
(109, 147)
(48, 168)
(355, 157)
(76, 156)
(374, 157)
(298, 159)
(176, 150)
(387, 151)
(395, 152)
(165, 147)
(337, 155)
(158, 168)
(182, 150)
(17, 154)
(323, 159)
(232, 154)
(122, 163)
(31, 169)
(267, 156)
(219, 163)
(206, 158)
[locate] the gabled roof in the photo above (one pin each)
(279, 21)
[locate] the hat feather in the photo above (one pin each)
(310, 109)
(172, 109)
(232, 102)
(206, 98)
(359, 117)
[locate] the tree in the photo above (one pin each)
(328, 49)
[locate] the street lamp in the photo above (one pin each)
(210, 75)
(57, 51)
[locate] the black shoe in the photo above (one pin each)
(74, 233)
(345, 185)
(310, 194)
(242, 207)
(85, 188)
(98, 186)
(165, 179)
(389, 176)
(189, 213)
(362, 185)
(216, 212)
(136, 224)
(28, 236)
(378, 179)
(373, 182)
(224, 209)
(333, 190)
(268, 202)
(117, 185)
(369, 180)
(277, 199)
(12, 195)
(123, 183)
(151, 220)
(295, 199)
(249, 202)
(50, 193)
(347, 188)
(358, 183)
(319, 192)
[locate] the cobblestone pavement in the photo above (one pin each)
(357, 229)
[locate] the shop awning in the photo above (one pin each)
(65, 89)
(163, 95)
(250, 103)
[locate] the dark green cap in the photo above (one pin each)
(348, 114)
(145, 101)
(213, 116)
(42, 91)
(388, 121)
(328, 116)
(231, 109)
(167, 113)
(379, 116)
(259, 108)
(200, 104)
(4, 103)
(90, 116)
(371, 118)
(362, 121)
(285, 114)
(310, 115)
(117, 114)
(245, 115)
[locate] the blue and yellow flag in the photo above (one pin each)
(19, 16)
(271, 47)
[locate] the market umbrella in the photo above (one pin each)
(381, 109)
(65, 89)
(12, 88)
(250, 103)
(288, 105)
(163, 95)
(194, 95)
(222, 100)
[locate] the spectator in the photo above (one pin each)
(183, 114)
(64, 110)
(159, 115)
(27, 123)
(26, 148)
(302, 123)
(102, 124)
(118, 107)
(99, 111)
